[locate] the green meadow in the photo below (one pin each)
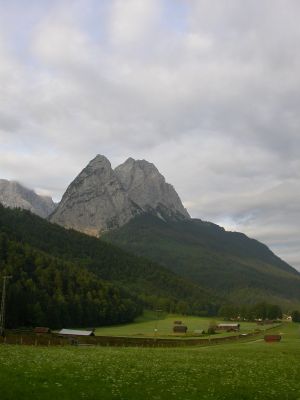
(240, 370)
(163, 324)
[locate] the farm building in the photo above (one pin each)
(73, 332)
(228, 327)
(41, 330)
(180, 329)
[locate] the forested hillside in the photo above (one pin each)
(46, 290)
(63, 277)
(239, 268)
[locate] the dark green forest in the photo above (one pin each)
(65, 278)
(45, 290)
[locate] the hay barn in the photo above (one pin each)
(228, 327)
(180, 329)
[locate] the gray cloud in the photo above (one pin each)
(212, 98)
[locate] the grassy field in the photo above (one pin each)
(146, 324)
(253, 370)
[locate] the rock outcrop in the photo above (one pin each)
(95, 201)
(147, 188)
(101, 199)
(14, 195)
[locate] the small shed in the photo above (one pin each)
(228, 327)
(41, 330)
(180, 329)
(74, 332)
(272, 338)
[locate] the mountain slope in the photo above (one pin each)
(155, 286)
(14, 195)
(230, 263)
(46, 290)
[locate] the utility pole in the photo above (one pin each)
(2, 311)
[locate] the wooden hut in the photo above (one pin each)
(272, 338)
(41, 330)
(228, 327)
(74, 332)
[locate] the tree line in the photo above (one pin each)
(262, 310)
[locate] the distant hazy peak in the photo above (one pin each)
(15, 195)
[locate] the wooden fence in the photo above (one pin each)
(59, 340)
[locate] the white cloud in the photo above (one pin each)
(133, 20)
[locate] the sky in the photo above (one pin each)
(207, 90)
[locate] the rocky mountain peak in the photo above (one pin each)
(99, 166)
(101, 199)
(99, 161)
(95, 201)
(147, 188)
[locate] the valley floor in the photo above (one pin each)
(249, 370)
(145, 326)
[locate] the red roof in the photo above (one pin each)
(272, 338)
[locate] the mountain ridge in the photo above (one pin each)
(226, 262)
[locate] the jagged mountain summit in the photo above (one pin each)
(147, 188)
(14, 195)
(101, 199)
(95, 201)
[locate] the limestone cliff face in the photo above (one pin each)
(14, 195)
(95, 201)
(147, 188)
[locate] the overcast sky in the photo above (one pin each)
(207, 90)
